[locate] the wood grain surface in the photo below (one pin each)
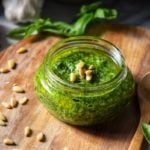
(116, 135)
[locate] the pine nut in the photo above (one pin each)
(18, 89)
(80, 65)
(21, 50)
(27, 131)
(23, 100)
(4, 70)
(8, 141)
(40, 137)
(91, 67)
(81, 72)
(2, 117)
(88, 72)
(73, 77)
(11, 64)
(89, 77)
(13, 102)
(6, 105)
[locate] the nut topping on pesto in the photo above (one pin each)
(73, 77)
(82, 72)
(87, 64)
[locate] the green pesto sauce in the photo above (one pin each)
(105, 68)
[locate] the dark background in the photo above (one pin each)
(131, 12)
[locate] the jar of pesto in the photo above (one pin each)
(77, 97)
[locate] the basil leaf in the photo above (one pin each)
(104, 13)
(89, 8)
(146, 131)
(87, 14)
(81, 24)
(17, 33)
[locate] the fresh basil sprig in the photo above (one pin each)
(146, 131)
(87, 14)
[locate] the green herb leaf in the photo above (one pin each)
(89, 8)
(80, 25)
(87, 14)
(146, 131)
(17, 33)
(104, 13)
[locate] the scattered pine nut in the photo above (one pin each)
(23, 100)
(18, 89)
(2, 117)
(27, 131)
(89, 77)
(8, 141)
(73, 77)
(88, 72)
(13, 102)
(40, 137)
(81, 64)
(21, 50)
(6, 105)
(91, 67)
(11, 64)
(4, 70)
(2, 123)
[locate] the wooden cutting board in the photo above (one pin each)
(135, 46)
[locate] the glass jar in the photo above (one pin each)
(79, 105)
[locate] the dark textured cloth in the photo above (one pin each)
(131, 12)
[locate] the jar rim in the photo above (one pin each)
(91, 40)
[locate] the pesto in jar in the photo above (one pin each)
(84, 102)
(105, 68)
